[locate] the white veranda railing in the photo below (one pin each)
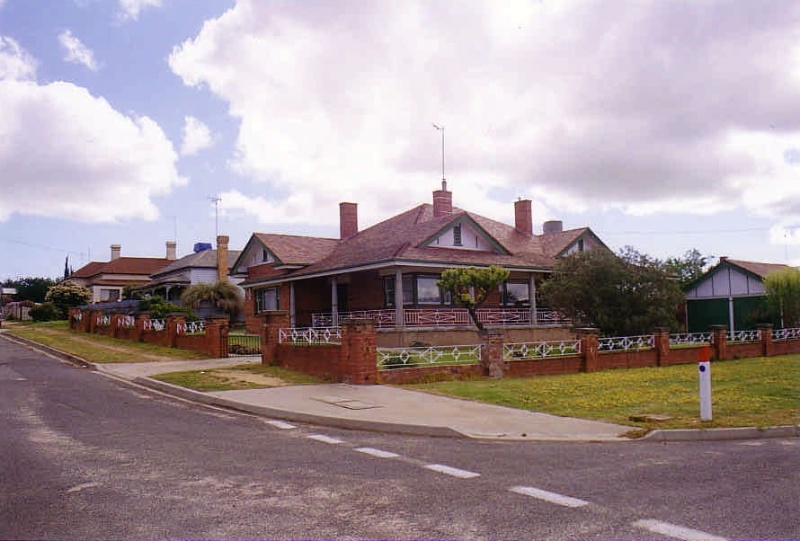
(444, 317)
(433, 355)
(545, 349)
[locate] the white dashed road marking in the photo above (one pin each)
(281, 425)
(551, 497)
(377, 452)
(323, 439)
(678, 532)
(455, 472)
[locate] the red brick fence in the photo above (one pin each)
(212, 340)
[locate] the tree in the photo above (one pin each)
(688, 268)
(783, 295)
(622, 295)
(222, 295)
(31, 288)
(471, 286)
(66, 295)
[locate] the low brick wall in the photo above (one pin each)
(316, 360)
(415, 374)
(544, 367)
(214, 342)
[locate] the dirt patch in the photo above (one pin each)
(249, 377)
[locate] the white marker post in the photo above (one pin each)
(705, 383)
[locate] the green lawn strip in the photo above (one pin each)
(748, 392)
(218, 379)
(97, 348)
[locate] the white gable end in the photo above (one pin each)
(726, 282)
(463, 237)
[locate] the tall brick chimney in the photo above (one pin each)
(523, 218)
(442, 201)
(171, 250)
(348, 220)
(116, 250)
(222, 258)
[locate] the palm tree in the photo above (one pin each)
(222, 295)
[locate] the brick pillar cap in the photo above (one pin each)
(587, 330)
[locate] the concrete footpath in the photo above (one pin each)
(392, 409)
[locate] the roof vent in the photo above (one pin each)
(202, 246)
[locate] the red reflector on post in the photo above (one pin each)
(704, 355)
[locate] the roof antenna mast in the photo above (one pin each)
(216, 199)
(441, 129)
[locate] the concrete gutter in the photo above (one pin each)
(720, 434)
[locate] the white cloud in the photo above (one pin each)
(196, 136)
(130, 9)
(15, 63)
(646, 107)
(67, 154)
(76, 52)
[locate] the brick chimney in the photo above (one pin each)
(348, 220)
(523, 218)
(222, 258)
(116, 250)
(442, 201)
(171, 250)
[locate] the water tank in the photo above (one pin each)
(202, 246)
(553, 226)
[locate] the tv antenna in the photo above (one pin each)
(216, 199)
(441, 129)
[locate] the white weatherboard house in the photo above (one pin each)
(730, 294)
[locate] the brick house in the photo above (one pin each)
(106, 280)
(388, 272)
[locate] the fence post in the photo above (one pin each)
(217, 337)
(766, 338)
(588, 338)
(661, 339)
(115, 324)
(492, 353)
(358, 357)
(140, 319)
(93, 320)
(719, 341)
(273, 323)
(172, 328)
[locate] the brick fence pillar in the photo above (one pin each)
(358, 358)
(217, 337)
(115, 328)
(92, 327)
(492, 353)
(173, 321)
(139, 325)
(766, 338)
(273, 323)
(719, 342)
(661, 338)
(73, 323)
(588, 338)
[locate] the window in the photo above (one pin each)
(516, 294)
(109, 295)
(580, 245)
(267, 299)
(457, 235)
(427, 290)
(389, 291)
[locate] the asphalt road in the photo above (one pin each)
(88, 457)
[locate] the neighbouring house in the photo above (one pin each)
(388, 272)
(731, 293)
(204, 265)
(107, 280)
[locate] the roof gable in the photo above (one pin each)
(464, 233)
(294, 250)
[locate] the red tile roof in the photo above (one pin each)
(295, 249)
(144, 266)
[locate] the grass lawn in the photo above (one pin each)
(758, 392)
(96, 348)
(246, 376)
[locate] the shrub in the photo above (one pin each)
(47, 311)
(66, 295)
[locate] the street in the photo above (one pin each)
(88, 457)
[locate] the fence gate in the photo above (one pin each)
(244, 345)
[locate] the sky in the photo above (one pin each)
(666, 126)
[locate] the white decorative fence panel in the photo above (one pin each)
(744, 336)
(532, 350)
(786, 334)
(310, 335)
(427, 356)
(626, 343)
